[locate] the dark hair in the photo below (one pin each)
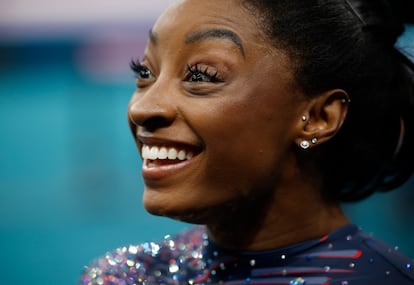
(350, 45)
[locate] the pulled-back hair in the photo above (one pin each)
(351, 45)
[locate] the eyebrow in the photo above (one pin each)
(153, 37)
(215, 33)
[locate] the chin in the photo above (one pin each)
(180, 210)
(198, 216)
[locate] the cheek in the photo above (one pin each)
(245, 141)
(255, 121)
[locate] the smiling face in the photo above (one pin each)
(214, 112)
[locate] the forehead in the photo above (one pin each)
(184, 28)
(189, 16)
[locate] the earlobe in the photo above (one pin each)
(323, 118)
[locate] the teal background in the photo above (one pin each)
(70, 187)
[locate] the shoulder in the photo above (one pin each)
(149, 263)
(389, 258)
(361, 257)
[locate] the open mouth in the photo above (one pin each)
(155, 156)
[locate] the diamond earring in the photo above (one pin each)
(304, 144)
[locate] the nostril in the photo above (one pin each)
(156, 122)
(150, 120)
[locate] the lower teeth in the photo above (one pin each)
(161, 162)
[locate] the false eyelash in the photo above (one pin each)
(196, 69)
(142, 72)
(135, 65)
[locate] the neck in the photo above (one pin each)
(277, 220)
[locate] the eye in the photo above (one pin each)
(197, 74)
(142, 73)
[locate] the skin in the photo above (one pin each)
(248, 182)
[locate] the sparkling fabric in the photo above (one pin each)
(348, 256)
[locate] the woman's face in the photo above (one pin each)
(214, 112)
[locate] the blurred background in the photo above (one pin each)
(70, 186)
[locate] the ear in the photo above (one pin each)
(322, 118)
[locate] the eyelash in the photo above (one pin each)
(195, 74)
(141, 71)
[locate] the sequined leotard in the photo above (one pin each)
(348, 256)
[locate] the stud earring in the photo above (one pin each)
(304, 118)
(304, 144)
(343, 101)
(314, 140)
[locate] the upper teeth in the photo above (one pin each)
(156, 152)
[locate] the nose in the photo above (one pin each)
(151, 110)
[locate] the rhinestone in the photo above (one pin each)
(174, 268)
(297, 281)
(171, 244)
(283, 257)
(352, 265)
(408, 266)
(327, 268)
(92, 274)
(133, 249)
(111, 261)
(252, 262)
(344, 283)
(195, 254)
(130, 262)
